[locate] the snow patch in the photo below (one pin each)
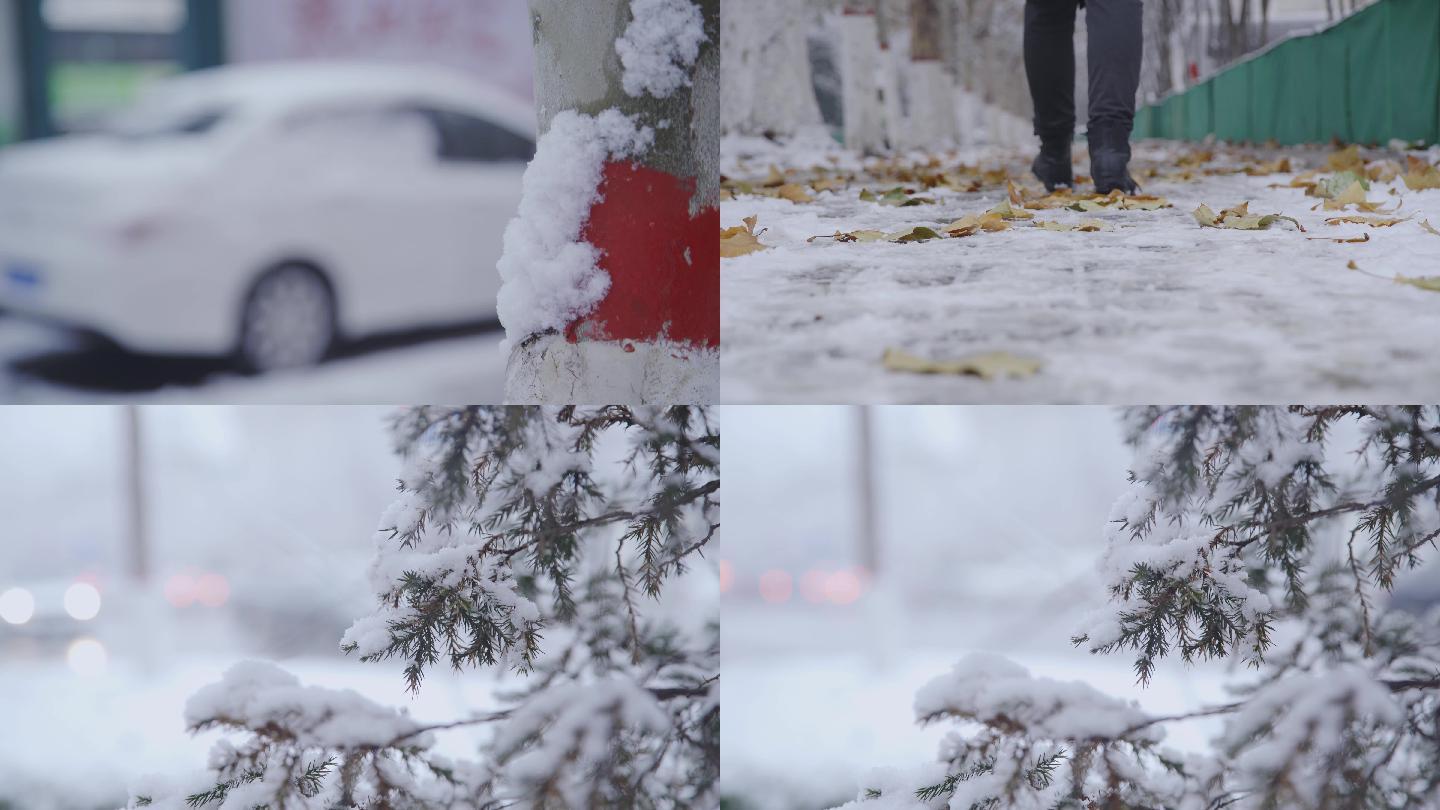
(551, 277)
(658, 47)
(258, 695)
(993, 689)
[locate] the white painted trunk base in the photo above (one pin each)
(932, 121)
(860, 61)
(549, 369)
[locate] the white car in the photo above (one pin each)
(269, 211)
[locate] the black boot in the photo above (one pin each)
(1110, 162)
(1052, 165)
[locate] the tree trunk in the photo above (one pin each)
(654, 337)
(859, 43)
(137, 545)
(932, 96)
(765, 59)
(887, 22)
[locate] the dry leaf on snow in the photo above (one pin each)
(919, 233)
(986, 366)
(852, 236)
(1425, 223)
(1421, 175)
(793, 193)
(968, 224)
(740, 240)
(1084, 225)
(1239, 218)
(1431, 283)
(1374, 222)
(1347, 158)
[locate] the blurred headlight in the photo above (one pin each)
(82, 601)
(17, 605)
(87, 657)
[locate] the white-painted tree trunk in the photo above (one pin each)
(765, 58)
(931, 124)
(860, 65)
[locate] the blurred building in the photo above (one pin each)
(65, 64)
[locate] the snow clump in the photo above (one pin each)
(661, 43)
(551, 277)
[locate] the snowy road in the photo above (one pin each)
(39, 364)
(1152, 308)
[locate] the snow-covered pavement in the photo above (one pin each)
(1152, 308)
(43, 365)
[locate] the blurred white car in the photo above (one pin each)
(269, 211)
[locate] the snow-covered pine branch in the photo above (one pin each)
(1228, 510)
(1268, 534)
(538, 539)
(1028, 742)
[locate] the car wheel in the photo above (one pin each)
(288, 320)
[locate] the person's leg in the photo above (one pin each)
(1050, 69)
(1115, 41)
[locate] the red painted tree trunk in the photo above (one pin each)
(655, 336)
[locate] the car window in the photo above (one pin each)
(375, 135)
(469, 138)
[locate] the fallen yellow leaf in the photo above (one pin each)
(1347, 158)
(1006, 211)
(989, 221)
(1425, 223)
(852, 236)
(794, 193)
(1421, 174)
(1084, 225)
(1431, 283)
(1374, 222)
(986, 366)
(1354, 194)
(740, 240)
(1239, 218)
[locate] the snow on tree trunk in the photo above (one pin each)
(611, 269)
(932, 95)
(766, 62)
(864, 117)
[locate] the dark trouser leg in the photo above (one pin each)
(1050, 69)
(1050, 66)
(1115, 40)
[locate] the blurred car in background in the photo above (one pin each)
(52, 610)
(269, 211)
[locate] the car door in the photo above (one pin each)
(475, 191)
(346, 186)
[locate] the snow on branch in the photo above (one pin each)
(1028, 742)
(1214, 541)
(308, 747)
(1267, 534)
(542, 540)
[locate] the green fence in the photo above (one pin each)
(1367, 79)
